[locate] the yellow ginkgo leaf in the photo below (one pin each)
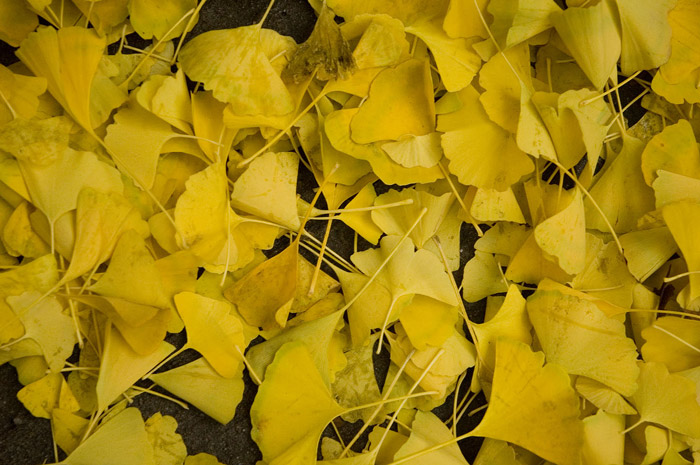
(104, 16)
(574, 108)
(603, 397)
(356, 384)
(672, 341)
(315, 334)
(495, 451)
(462, 19)
(68, 429)
(325, 157)
(455, 58)
(338, 131)
(132, 274)
(18, 236)
(45, 324)
(502, 88)
(398, 220)
(411, 151)
(563, 235)
(673, 457)
(293, 405)
(17, 21)
(408, 271)
(362, 222)
(435, 367)
(680, 92)
(530, 264)
(428, 321)
(168, 98)
(203, 216)
(120, 441)
(369, 309)
(610, 310)
(651, 442)
(168, 446)
(39, 142)
(162, 21)
(510, 322)
(276, 279)
(517, 21)
(596, 54)
(202, 459)
(546, 421)
(605, 275)
(672, 187)
(207, 122)
(685, 41)
(141, 326)
(667, 399)
(565, 74)
(267, 188)
(673, 150)
(72, 171)
(199, 384)
(546, 130)
(121, 367)
(405, 90)
(100, 220)
(482, 277)
(407, 12)
(136, 139)
(503, 239)
(54, 54)
(426, 431)
(305, 297)
(580, 338)
(481, 153)
(602, 441)
(381, 42)
(620, 191)
(683, 220)
(492, 205)
(212, 331)
(646, 34)
(30, 369)
(46, 394)
(39, 275)
(232, 64)
(21, 93)
(646, 250)
(5, 214)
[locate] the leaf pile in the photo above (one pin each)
(138, 192)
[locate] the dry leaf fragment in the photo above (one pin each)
(325, 51)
